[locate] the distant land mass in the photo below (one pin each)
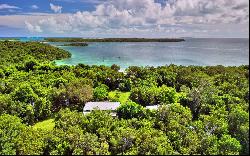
(9, 38)
(113, 39)
(76, 44)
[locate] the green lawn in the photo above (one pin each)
(121, 97)
(46, 124)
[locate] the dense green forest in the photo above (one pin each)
(204, 110)
(114, 40)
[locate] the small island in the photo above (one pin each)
(114, 39)
(78, 44)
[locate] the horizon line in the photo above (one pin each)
(124, 37)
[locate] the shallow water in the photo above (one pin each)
(202, 52)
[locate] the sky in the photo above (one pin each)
(125, 18)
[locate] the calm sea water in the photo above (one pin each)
(201, 52)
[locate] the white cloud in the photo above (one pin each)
(149, 18)
(6, 6)
(33, 28)
(34, 7)
(56, 8)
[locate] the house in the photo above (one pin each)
(112, 106)
(154, 107)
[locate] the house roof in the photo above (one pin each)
(152, 107)
(101, 106)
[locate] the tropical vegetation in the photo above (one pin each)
(202, 110)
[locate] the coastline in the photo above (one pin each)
(114, 39)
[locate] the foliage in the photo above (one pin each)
(101, 93)
(154, 95)
(17, 52)
(130, 110)
(203, 110)
(10, 130)
(46, 125)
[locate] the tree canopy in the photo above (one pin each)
(202, 110)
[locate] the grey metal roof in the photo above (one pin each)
(101, 106)
(154, 107)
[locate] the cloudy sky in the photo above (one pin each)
(125, 18)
